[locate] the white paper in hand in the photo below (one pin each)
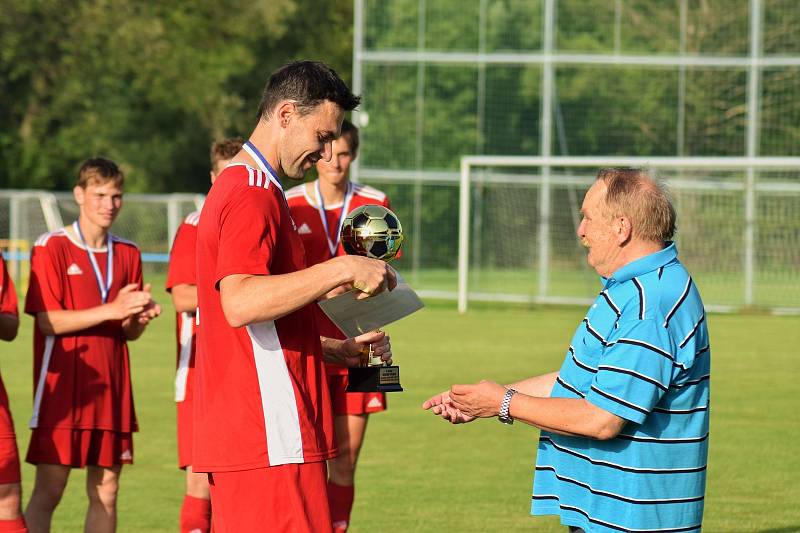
(355, 317)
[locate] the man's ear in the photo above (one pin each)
(623, 229)
(284, 112)
(78, 192)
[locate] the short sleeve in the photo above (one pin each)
(8, 296)
(634, 371)
(248, 233)
(182, 257)
(46, 285)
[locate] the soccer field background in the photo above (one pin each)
(418, 473)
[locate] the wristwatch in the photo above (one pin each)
(503, 415)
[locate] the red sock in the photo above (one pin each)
(340, 500)
(195, 515)
(13, 526)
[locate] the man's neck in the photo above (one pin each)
(264, 138)
(635, 251)
(93, 235)
(332, 194)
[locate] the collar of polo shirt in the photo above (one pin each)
(643, 265)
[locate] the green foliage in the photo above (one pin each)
(149, 84)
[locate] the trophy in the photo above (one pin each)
(372, 231)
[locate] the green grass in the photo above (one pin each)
(418, 473)
(771, 288)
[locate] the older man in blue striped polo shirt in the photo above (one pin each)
(624, 440)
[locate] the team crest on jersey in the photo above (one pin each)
(74, 270)
(304, 229)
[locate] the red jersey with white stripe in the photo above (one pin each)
(8, 306)
(261, 397)
(303, 206)
(183, 270)
(81, 380)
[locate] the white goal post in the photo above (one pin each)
(544, 180)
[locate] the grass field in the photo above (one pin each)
(418, 473)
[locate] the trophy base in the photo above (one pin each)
(374, 379)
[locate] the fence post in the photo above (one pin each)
(753, 90)
(463, 235)
(546, 122)
(173, 218)
(13, 237)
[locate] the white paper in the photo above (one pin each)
(355, 317)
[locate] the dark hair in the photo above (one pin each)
(99, 170)
(350, 132)
(308, 83)
(225, 149)
(637, 194)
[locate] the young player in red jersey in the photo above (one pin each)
(10, 490)
(87, 299)
(263, 419)
(319, 208)
(195, 514)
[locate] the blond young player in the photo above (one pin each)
(195, 514)
(318, 208)
(87, 299)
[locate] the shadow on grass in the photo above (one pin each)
(787, 529)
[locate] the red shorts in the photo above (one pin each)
(353, 403)
(9, 455)
(80, 447)
(288, 498)
(185, 429)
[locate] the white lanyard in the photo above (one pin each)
(104, 287)
(333, 246)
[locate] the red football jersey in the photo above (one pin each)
(261, 397)
(8, 305)
(183, 270)
(306, 215)
(81, 380)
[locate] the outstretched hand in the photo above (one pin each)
(442, 405)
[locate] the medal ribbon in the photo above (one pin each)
(262, 162)
(333, 246)
(104, 287)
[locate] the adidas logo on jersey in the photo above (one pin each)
(304, 229)
(126, 456)
(375, 402)
(74, 270)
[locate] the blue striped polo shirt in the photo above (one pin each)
(642, 352)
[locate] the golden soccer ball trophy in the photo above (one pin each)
(372, 231)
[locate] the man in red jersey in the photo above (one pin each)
(195, 514)
(319, 208)
(10, 490)
(87, 299)
(263, 418)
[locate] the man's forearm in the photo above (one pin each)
(539, 386)
(247, 299)
(566, 416)
(62, 322)
(184, 297)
